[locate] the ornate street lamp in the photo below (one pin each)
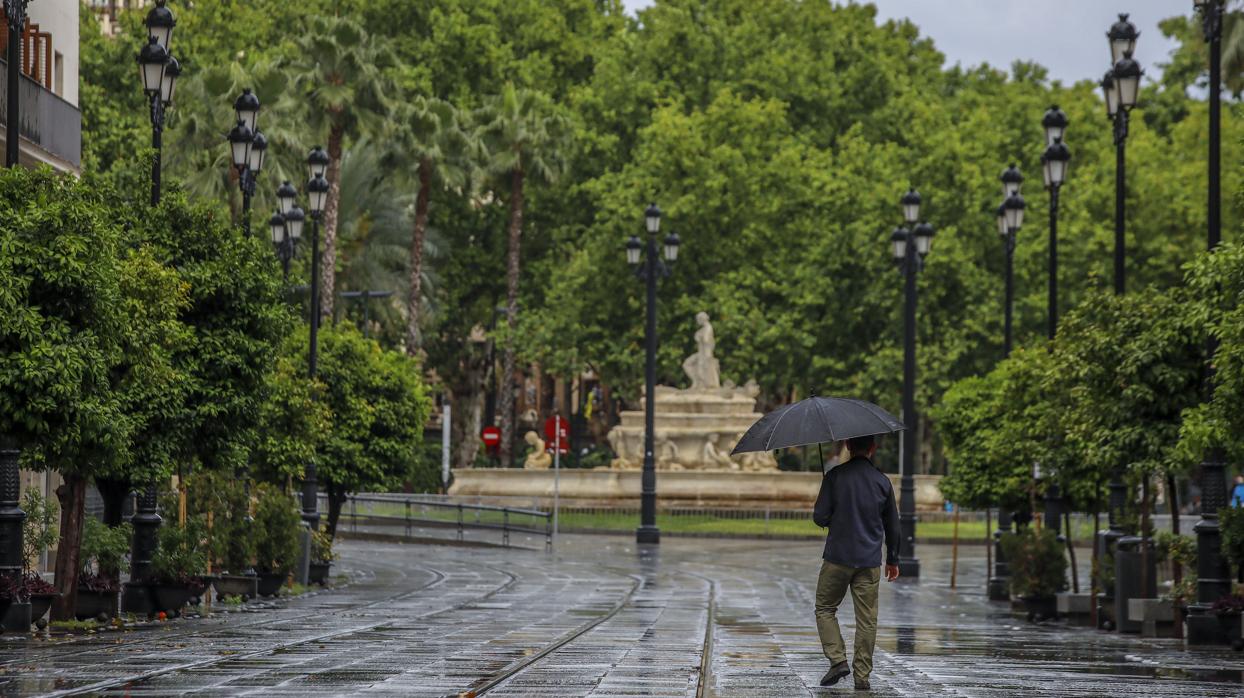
(1121, 88)
(1012, 180)
(1012, 219)
(650, 267)
(160, 22)
(317, 196)
(1054, 163)
(909, 246)
(249, 146)
(1213, 572)
(159, 72)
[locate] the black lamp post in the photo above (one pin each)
(1010, 219)
(11, 514)
(317, 195)
(649, 267)
(248, 147)
(15, 14)
(910, 245)
(1213, 573)
(159, 73)
(1054, 163)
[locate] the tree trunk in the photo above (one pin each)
(1177, 569)
(72, 496)
(328, 269)
(1145, 534)
(414, 297)
(114, 493)
(468, 423)
(506, 400)
(336, 498)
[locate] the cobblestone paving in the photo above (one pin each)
(602, 618)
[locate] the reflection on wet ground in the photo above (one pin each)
(600, 617)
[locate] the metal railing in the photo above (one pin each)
(411, 512)
(46, 120)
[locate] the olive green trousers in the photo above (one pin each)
(831, 588)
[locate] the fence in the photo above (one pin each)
(380, 513)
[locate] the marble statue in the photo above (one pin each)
(695, 427)
(702, 367)
(714, 456)
(539, 458)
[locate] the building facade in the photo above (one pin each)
(50, 120)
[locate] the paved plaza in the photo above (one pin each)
(600, 618)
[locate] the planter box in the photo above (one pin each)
(243, 585)
(171, 597)
(1156, 616)
(1041, 608)
(319, 573)
(270, 584)
(97, 604)
(40, 604)
(1076, 607)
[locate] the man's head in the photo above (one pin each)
(864, 446)
(1239, 479)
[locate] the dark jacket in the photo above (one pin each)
(856, 502)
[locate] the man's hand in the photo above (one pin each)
(891, 572)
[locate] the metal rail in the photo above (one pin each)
(456, 517)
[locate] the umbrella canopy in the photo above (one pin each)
(816, 420)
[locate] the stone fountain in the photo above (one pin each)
(696, 427)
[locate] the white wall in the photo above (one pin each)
(60, 19)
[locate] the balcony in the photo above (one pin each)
(51, 128)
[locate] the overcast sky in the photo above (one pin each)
(1066, 36)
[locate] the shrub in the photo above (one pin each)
(180, 556)
(322, 547)
(1231, 521)
(41, 529)
(104, 556)
(276, 531)
(1038, 567)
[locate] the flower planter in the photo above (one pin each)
(270, 584)
(1041, 608)
(96, 604)
(171, 597)
(244, 585)
(318, 573)
(40, 604)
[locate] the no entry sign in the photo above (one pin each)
(491, 437)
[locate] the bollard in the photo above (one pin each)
(408, 518)
(354, 515)
(460, 537)
(505, 527)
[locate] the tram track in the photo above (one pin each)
(128, 680)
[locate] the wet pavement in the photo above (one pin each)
(600, 618)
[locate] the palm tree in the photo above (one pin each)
(339, 77)
(525, 136)
(433, 140)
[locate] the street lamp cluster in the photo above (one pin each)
(247, 146)
(1121, 88)
(286, 227)
(159, 72)
(643, 255)
(910, 244)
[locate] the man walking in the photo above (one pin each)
(856, 502)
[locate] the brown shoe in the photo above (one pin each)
(863, 685)
(835, 674)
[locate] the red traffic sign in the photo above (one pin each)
(557, 429)
(491, 437)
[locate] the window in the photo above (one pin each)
(58, 74)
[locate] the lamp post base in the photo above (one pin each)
(136, 599)
(1000, 589)
(909, 568)
(1206, 628)
(648, 535)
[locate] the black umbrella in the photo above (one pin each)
(816, 420)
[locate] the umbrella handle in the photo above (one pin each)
(821, 455)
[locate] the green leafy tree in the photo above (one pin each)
(378, 408)
(526, 138)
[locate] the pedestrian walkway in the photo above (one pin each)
(600, 618)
